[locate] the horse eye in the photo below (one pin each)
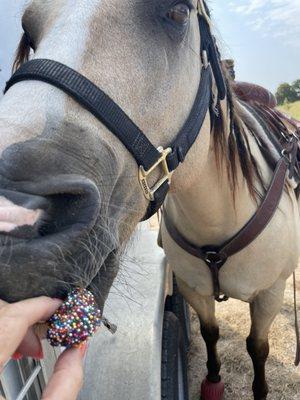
(180, 13)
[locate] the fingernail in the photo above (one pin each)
(83, 349)
(17, 356)
(39, 356)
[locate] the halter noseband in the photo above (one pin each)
(148, 157)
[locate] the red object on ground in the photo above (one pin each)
(212, 391)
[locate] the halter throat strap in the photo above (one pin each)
(149, 158)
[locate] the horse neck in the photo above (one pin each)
(203, 205)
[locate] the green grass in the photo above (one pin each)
(293, 109)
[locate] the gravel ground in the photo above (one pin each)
(233, 316)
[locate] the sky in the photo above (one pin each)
(262, 36)
(10, 32)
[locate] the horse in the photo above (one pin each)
(78, 173)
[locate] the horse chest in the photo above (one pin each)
(272, 256)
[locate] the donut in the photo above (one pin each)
(76, 320)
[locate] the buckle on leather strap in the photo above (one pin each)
(165, 177)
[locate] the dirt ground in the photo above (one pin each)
(233, 316)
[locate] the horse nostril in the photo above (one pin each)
(68, 212)
(66, 205)
(21, 213)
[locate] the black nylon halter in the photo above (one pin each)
(92, 98)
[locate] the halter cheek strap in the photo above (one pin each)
(149, 158)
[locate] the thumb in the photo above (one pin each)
(67, 378)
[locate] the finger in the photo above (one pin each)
(31, 345)
(35, 310)
(41, 330)
(67, 378)
(15, 320)
(2, 304)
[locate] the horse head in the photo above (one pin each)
(70, 194)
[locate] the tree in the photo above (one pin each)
(296, 87)
(286, 93)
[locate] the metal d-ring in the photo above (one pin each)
(286, 154)
(210, 261)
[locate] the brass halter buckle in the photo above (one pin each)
(166, 174)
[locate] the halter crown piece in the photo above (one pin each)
(149, 158)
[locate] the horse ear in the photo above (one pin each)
(22, 52)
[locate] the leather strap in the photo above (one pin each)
(263, 215)
(92, 98)
(216, 256)
(191, 129)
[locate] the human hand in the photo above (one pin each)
(18, 337)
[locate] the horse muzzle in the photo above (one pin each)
(41, 225)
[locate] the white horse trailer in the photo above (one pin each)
(146, 358)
